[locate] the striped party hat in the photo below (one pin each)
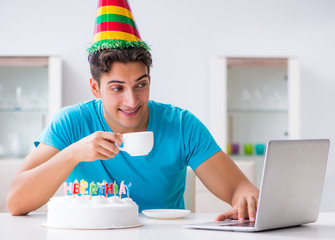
(115, 27)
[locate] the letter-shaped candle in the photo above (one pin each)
(68, 188)
(83, 186)
(115, 188)
(93, 188)
(109, 188)
(101, 187)
(128, 188)
(122, 189)
(76, 188)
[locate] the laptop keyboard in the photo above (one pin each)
(236, 223)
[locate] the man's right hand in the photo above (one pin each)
(98, 145)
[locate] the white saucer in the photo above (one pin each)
(166, 213)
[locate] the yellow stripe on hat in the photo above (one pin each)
(114, 35)
(114, 10)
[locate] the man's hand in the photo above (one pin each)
(245, 208)
(99, 145)
(226, 181)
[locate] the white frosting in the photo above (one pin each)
(128, 200)
(114, 200)
(99, 200)
(96, 212)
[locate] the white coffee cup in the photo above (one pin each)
(137, 143)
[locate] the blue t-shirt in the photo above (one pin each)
(158, 179)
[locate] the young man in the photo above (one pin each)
(80, 143)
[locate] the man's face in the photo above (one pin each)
(124, 92)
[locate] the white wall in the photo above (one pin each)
(185, 35)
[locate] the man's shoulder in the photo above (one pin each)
(171, 113)
(165, 108)
(90, 105)
(80, 109)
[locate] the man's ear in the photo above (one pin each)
(95, 87)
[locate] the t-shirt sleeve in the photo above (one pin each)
(199, 143)
(63, 130)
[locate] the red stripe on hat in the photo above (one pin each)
(118, 3)
(116, 26)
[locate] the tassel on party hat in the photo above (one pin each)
(115, 27)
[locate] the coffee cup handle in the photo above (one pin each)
(121, 148)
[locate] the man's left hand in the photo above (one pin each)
(245, 208)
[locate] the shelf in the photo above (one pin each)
(241, 157)
(33, 110)
(257, 62)
(241, 110)
(9, 158)
(24, 61)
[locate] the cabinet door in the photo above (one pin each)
(253, 100)
(29, 95)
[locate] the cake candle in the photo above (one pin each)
(76, 188)
(93, 189)
(83, 186)
(109, 188)
(101, 188)
(122, 189)
(115, 188)
(68, 188)
(128, 189)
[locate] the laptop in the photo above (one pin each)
(291, 187)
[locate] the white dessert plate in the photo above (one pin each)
(166, 213)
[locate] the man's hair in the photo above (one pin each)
(101, 62)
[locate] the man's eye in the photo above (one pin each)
(117, 89)
(141, 85)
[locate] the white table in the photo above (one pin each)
(29, 227)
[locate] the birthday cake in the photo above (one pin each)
(92, 212)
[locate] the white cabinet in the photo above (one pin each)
(254, 100)
(30, 93)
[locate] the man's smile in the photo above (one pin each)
(130, 112)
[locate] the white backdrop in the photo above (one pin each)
(185, 35)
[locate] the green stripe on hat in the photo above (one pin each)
(115, 18)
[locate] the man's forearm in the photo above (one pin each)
(32, 188)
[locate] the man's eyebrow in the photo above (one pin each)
(140, 78)
(118, 81)
(115, 81)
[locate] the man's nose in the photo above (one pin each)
(130, 99)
